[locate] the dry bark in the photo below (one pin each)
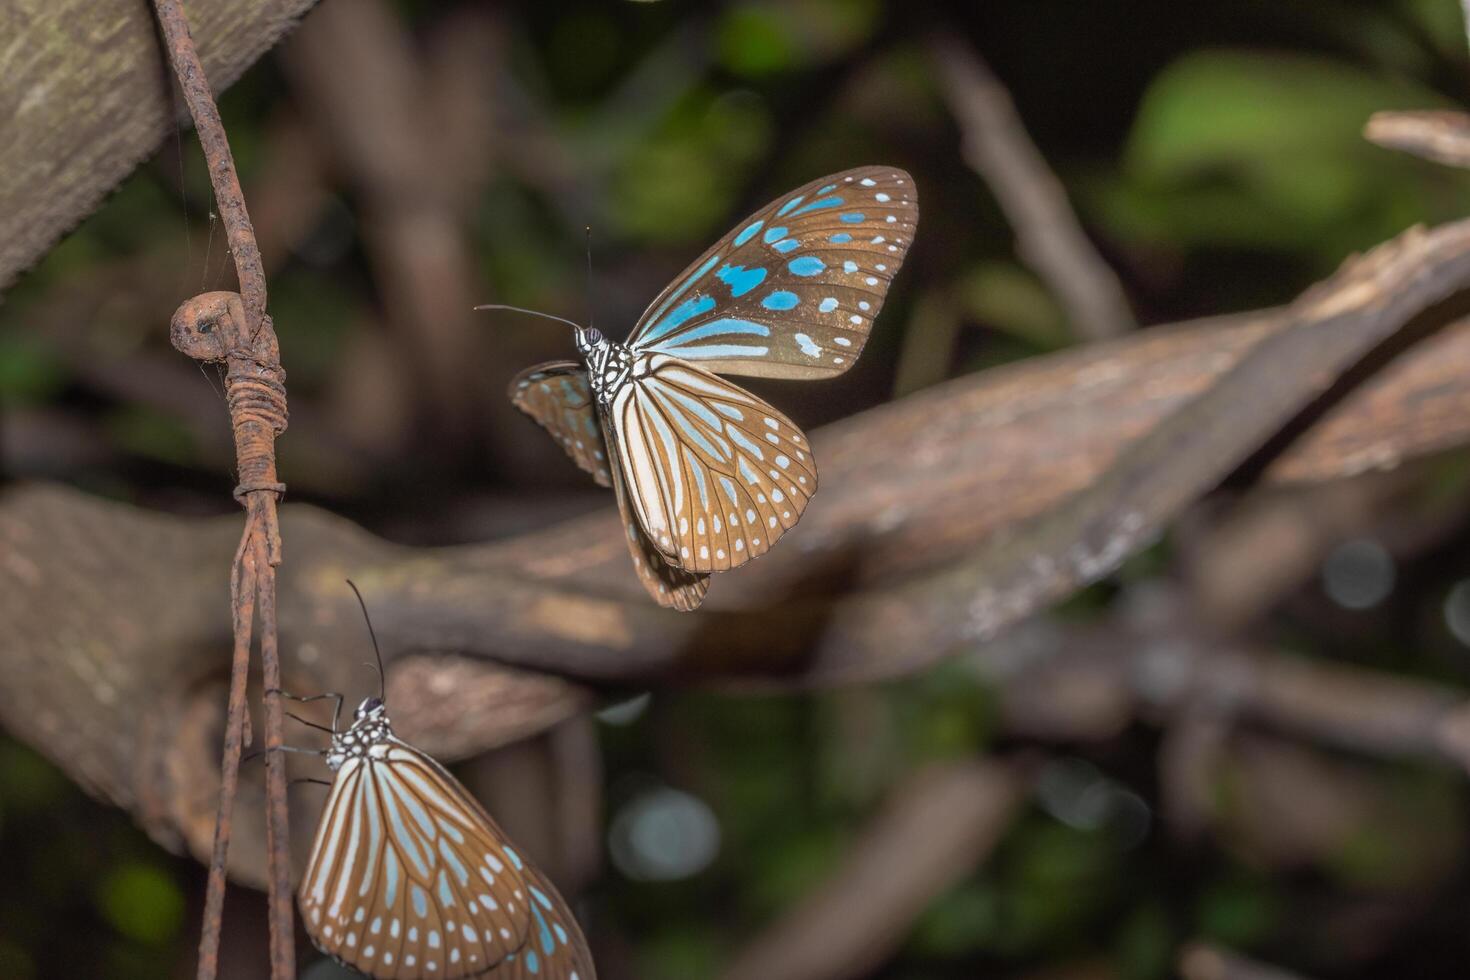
(88, 96)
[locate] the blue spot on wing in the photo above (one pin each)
(748, 233)
(807, 265)
(853, 217)
(786, 245)
(829, 187)
(716, 328)
(841, 238)
(774, 233)
(709, 351)
(820, 204)
(740, 279)
(693, 277)
(781, 300)
(680, 313)
(789, 205)
(828, 305)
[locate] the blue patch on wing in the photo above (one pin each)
(713, 351)
(717, 328)
(789, 205)
(807, 265)
(748, 233)
(852, 217)
(774, 233)
(786, 245)
(820, 204)
(781, 300)
(693, 277)
(740, 279)
(841, 238)
(682, 312)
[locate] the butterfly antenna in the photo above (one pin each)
(382, 681)
(589, 277)
(522, 309)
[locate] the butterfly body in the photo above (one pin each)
(409, 877)
(707, 474)
(610, 365)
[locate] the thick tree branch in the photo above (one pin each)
(87, 97)
(899, 559)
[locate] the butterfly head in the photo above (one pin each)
(367, 737)
(589, 340)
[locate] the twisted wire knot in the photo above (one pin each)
(211, 328)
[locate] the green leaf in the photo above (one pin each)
(141, 902)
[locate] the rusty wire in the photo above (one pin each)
(233, 329)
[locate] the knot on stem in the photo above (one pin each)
(211, 328)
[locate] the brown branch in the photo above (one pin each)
(364, 88)
(1049, 236)
(86, 106)
(1207, 961)
(1442, 136)
(233, 329)
(969, 471)
(937, 826)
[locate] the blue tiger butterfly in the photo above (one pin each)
(707, 475)
(409, 877)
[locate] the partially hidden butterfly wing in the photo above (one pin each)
(714, 474)
(667, 583)
(555, 948)
(792, 291)
(409, 876)
(557, 396)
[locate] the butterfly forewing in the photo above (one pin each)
(557, 396)
(409, 876)
(792, 291)
(714, 474)
(668, 584)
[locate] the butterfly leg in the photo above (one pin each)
(332, 695)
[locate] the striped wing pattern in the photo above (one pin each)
(671, 586)
(409, 877)
(556, 948)
(714, 474)
(792, 291)
(556, 394)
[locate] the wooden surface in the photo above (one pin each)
(87, 97)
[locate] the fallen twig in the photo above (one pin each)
(1442, 136)
(1207, 961)
(1049, 237)
(937, 826)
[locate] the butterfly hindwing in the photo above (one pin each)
(555, 948)
(409, 876)
(792, 291)
(557, 396)
(667, 583)
(714, 474)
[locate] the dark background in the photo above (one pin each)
(1213, 152)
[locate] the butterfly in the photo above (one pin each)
(707, 475)
(409, 877)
